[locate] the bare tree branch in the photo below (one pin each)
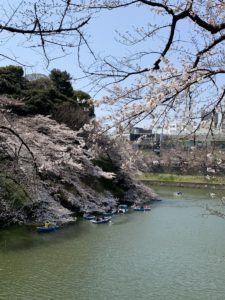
(22, 143)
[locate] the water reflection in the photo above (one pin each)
(19, 238)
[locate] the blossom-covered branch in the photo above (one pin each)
(176, 61)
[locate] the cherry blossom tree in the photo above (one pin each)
(46, 25)
(175, 63)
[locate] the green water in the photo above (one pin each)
(174, 252)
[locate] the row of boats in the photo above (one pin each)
(102, 219)
(124, 208)
(106, 217)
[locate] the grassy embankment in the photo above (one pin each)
(183, 179)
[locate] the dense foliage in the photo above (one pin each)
(61, 81)
(11, 80)
(53, 95)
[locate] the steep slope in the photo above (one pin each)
(47, 172)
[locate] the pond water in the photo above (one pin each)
(176, 251)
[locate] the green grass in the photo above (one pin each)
(182, 178)
(13, 192)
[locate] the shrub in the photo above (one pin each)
(43, 101)
(11, 79)
(61, 81)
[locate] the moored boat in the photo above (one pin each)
(122, 208)
(88, 216)
(141, 208)
(137, 208)
(147, 208)
(101, 220)
(109, 213)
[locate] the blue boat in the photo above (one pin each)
(88, 217)
(101, 220)
(109, 213)
(141, 208)
(45, 229)
(138, 209)
(147, 208)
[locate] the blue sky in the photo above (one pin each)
(102, 40)
(102, 31)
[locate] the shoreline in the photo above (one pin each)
(185, 184)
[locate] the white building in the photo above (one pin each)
(177, 127)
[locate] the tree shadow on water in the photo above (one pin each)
(22, 238)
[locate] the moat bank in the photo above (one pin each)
(189, 181)
(186, 184)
